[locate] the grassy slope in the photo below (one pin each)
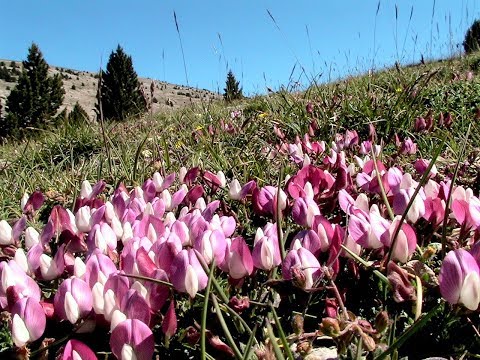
(56, 162)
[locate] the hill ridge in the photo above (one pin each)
(81, 86)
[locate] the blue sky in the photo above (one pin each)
(321, 39)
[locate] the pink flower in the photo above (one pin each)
(304, 211)
(132, 306)
(132, 339)
(302, 266)
(266, 251)
(405, 243)
(73, 300)
(309, 240)
(420, 124)
(28, 321)
(402, 196)
(75, 350)
(408, 147)
(421, 166)
(265, 200)
(6, 233)
(214, 180)
(238, 261)
(211, 245)
(367, 228)
(16, 283)
(187, 274)
(460, 279)
(324, 229)
(351, 138)
(98, 268)
(32, 203)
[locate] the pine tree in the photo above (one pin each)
(36, 97)
(78, 115)
(232, 90)
(472, 38)
(120, 89)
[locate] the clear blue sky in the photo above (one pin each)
(333, 38)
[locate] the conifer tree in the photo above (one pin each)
(78, 115)
(120, 90)
(36, 97)
(472, 38)
(232, 91)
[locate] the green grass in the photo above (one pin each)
(57, 161)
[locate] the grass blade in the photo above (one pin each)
(412, 330)
(281, 334)
(228, 335)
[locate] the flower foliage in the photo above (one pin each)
(136, 265)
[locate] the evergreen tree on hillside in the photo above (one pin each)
(472, 38)
(232, 91)
(120, 89)
(78, 115)
(36, 97)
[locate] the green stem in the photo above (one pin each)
(366, 264)
(203, 328)
(146, 278)
(281, 333)
(248, 347)
(382, 189)
(273, 340)
(417, 325)
(228, 335)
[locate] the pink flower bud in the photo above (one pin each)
(28, 321)
(75, 350)
(6, 233)
(460, 279)
(266, 251)
(405, 243)
(239, 259)
(304, 262)
(32, 237)
(132, 339)
(187, 274)
(73, 300)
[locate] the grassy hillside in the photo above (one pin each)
(56, 162)
(81, 86)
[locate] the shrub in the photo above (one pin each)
(36, 97)
(472, 38)
(5, 74)
(120, 88)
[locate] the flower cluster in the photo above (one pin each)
(121, 263)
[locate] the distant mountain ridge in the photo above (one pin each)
(81, 86)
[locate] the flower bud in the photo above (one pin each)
(330, 326)
(381, 321)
